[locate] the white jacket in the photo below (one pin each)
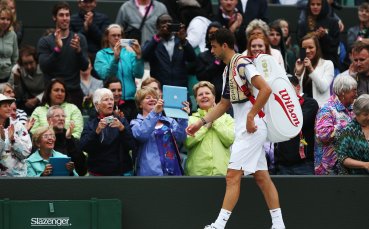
(322, 78)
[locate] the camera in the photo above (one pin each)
(109, 119)
(174, 27)
(126, 42)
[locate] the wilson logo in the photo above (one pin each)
(52, 222)
(285, 101)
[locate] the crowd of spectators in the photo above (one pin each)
(83, 91)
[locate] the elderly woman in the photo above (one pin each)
(353, 144)
(158, 135)
(15, 142)
(209, 149)
(331, 119)
(259, 27)
(56, 94)
(107, 139)
(315, 73)
(124, 62)
(38, 163)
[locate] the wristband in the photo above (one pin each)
(57, 49)
(203, 121)
(156, 38)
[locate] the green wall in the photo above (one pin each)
(36, 15)
(319, 202)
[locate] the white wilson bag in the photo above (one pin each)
(283, 114)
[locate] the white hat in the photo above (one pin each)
(4, 98)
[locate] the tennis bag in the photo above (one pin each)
(283, 114)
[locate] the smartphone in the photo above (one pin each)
(302, 54)
(174, 27)
(126, 42)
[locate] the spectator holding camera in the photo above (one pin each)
(315, 73)
(107, 139)
(120, 58)
(170, 55)
(28, 80)
(121, 108)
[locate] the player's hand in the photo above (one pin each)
(193, 128)
(250, 125)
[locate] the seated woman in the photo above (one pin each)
(330, 120)
(315, 73)
(353, 144)
(15, 142)
(107, 139)
(209, 149)
(157, 136)
(38, 163)
(56, 94)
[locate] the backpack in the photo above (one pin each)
(282, 112)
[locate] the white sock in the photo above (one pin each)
(277, 219)
(222, 219)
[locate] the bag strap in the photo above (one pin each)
(145, 16)
(241, 85)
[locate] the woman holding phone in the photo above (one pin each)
(120, 60)
(38, 163)
(315, 73)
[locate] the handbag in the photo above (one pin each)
(131, 32)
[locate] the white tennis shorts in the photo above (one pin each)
(247, 152)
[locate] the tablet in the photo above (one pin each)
(173, 97)
(58, 164)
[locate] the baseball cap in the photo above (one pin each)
(6, 99)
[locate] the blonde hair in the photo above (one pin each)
(105, 38)
(196, 87)
(142, 93)
(9, 12)
(37, 135)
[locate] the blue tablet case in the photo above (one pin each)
(58, 164)
(173, 97)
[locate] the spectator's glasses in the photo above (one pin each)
(48, 136)
(59, 116)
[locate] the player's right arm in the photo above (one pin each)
(215, 113)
